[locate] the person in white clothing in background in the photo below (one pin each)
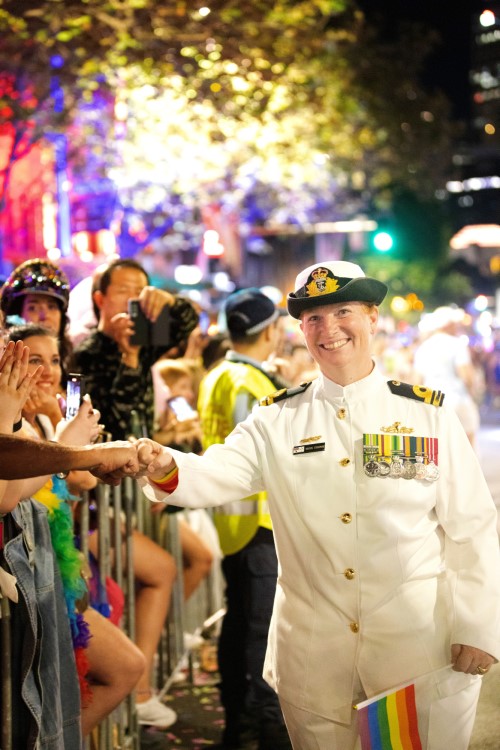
(443, 361)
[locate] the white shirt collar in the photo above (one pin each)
(354, 391)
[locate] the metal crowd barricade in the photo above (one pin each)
(5, 667)
(114, 525)
(120, 510)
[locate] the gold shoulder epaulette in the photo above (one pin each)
(283, 393)
(418, 392)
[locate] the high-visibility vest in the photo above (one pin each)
(236, 522)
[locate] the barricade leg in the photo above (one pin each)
(115, 559)
(6, 651)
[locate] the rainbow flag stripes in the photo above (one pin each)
(390, 723)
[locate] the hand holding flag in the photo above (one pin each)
(389, 721)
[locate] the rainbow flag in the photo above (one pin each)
(390, 722)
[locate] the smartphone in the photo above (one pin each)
(145, 332)
(182, 409)
(204, 322)
(141, 335)
(74, 394)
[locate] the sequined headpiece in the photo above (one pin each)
(37, 276)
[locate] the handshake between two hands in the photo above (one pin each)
(123, 458)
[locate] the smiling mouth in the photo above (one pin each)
(336, 345)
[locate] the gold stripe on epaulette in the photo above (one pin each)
(417, 392)
(268, 400)
(428, 395)
(284, 393)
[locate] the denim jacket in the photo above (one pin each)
(45, 689)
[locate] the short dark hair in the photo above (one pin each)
(102, 278)
(242, 338)
(25, 331)
(105, 277)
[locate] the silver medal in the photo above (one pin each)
(385, 467)
(409, 470)
(371, 467)
(431, 472)
(396, 464)
(420, 467)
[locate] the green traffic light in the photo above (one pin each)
(383, 242)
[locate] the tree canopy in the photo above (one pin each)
(332, 118)
(315, 59)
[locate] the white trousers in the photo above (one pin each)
(445, 724)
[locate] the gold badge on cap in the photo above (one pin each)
(322, 282)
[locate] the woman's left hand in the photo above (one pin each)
(470, 660)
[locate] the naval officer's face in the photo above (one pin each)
(339, 338)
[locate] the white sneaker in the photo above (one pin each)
(192, 641)
(155, 713)
(178, 677)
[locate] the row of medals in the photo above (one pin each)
(398, 466)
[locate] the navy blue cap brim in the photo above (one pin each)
(363, 289)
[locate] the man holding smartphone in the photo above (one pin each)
(117, 372)
(116, 368)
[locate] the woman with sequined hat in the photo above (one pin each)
(385, 531)
(37, 291)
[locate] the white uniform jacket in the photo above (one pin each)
(376, 574)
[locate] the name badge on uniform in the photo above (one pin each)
(308, 448)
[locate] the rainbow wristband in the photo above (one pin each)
(169, 482)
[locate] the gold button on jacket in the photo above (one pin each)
(346, 518)
(349, 573)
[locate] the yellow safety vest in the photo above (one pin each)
(236, 522)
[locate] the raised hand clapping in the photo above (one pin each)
(16, 384)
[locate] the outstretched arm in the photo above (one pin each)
(21, 458)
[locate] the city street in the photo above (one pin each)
(489, 450)
(487, 728)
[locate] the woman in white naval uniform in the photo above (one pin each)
(385, 530)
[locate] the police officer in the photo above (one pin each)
(385, 530)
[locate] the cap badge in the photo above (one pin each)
(321, 283)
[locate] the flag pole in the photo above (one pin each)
(359, 706)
